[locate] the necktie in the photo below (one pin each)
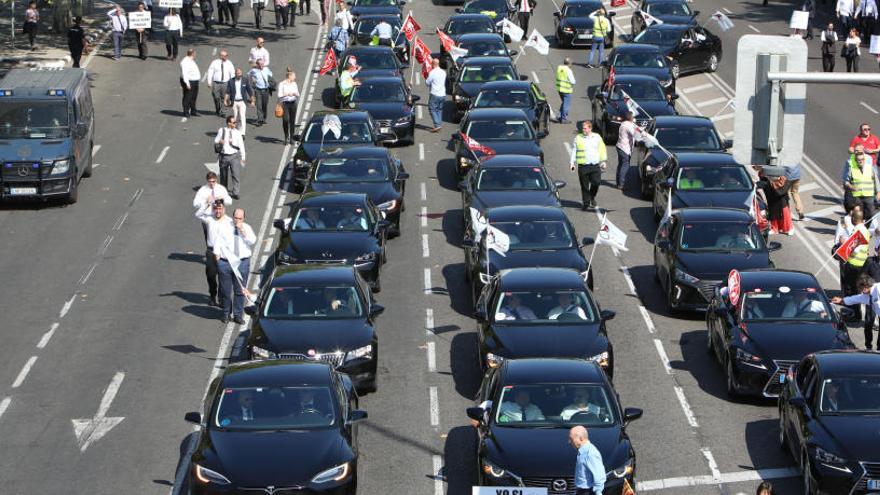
(223, 71)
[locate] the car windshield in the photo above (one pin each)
(581, 9)
(374, 60)
(511, 179)
(375, 3)
(638, 91)
(329, 302)
(351, 170)
(34, 119)
(644, 60)
(492, 8)
(785, 304)
(856, 395)
(365, 26)
(545, 307)
(499, 130)
(376, 92)
(714, 179)
(668, 8)
(465, 26)
(517, 98)
(556, 405)
(662, 37)
(331, 218)
(486, 73)
(484, 48)
(688, 138)
(720, 236)
(536, 235)
(275, 408)
(352, 132)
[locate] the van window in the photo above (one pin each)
(83, 107)
(34, 119)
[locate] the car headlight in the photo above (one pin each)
(493, 470)
(685, 277)
(365, 352)
(600, 359)
(206, 475)
(827, 458)
(403, 120)
(666, 84)
(622, 471)
(60, 167)
(337, 473)
(493, 361)
(259, 353)
(617, 118)
(388, 205)
(749, 359)
(567, 30)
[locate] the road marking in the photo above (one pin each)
(105, 246)
(421, 152)
(824, 212)
(281, 199)
(735, 477)
(432, 358)
(713, 101)
(426, 251)
(95, 150)
(4, 405)
(689, 414)
(66, 307)
(429, 321)
(24, 372)
(419, 112)
(726, 116)
(85, 278)
(868, 107)
(649, 322)
(622, 17)
(424, 191)
(424, 216)
(727, 10)
(136, 196)
(663, 357)
(438, 474)
(535, 78)
(162, 154)
(47, 336)
(118, 224)
(696, 88)
(93, 429)
(628, 278)
(753, 28)
(808, 187)
(428, 281)
(277, 212)
(713, 466)
(435, 406)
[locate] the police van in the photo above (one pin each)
(47, 129)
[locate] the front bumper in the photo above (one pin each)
(403, 131)
(687, 297)
(37, 188)
(764, 382)
(348, 487)
(835, 480)
(613, 486)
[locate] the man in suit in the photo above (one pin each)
(239, 93)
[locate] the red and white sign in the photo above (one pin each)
(329, 62)
(733, 287)
(410, 27)
(445, 41)
(846, 249)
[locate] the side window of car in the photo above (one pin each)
(802, 372)
(811, 386)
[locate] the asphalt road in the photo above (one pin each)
(106, 299)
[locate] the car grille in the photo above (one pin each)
(553, 485)
(773, 387)
(384, 123)
(333, 359)
(274, 490)
(707, 288)
(871, 471)
(22, 170)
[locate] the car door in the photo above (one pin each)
(802, 416)
(662, 188)
(662, 248)
(690, 51)
(348, 402)
(702, 47)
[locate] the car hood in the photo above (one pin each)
(470, 89)
(385, 111)
(652, 107)
(309, 151)
(562, 258)
(659, 73)
(492, 199)
(562, 340)
(517, 147)
(545, 452)
(368, 73)
(855, 436)
(299, 336)
(791, 341)
(339, 245)
(272, 458)
(35, 149)
(717, 265)
(377, 10)
(378, 192)
(718, 199)
(577, 22)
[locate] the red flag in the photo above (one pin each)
(858, 238)
(421, 52)
(329, 62)
(425, 70)
(410, 27)
(610, 78)
(447, 42)
(474, 146)
(760, 217)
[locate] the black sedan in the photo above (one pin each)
(610, 106)
(374, 61)
(829, 415)
(389, 100)
(334, 228)
(702, 179)
(358, 129)
(477, 45)
(318, 313)
(374, 7)
(369, 169)
(676, 134)
(365, 24)
(639, 59)
(525, 410)
(541, 312)
(775, 319)
(494, 9)
(277, 426)
(688, 48)
(508, 180)
(473, 73)
(574, 26)
(667, 11)
(507, 131)
(460, 24)
(696, 248)
(524, 95)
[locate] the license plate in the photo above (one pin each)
(873, 484)
(385, 130)
(781, 378)
(585, 36)
(22, 191)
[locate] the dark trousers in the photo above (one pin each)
(292, 10)
(848, 286)
(211, 272)
(523, 18)
(172, 39)
(76, 54)
(305, 7)
(231, 288)
(31, 29)
(869, 327)
(583, 491)
(234, 9)
(589, 177)
(223, 12)
(288, 121)
(190, 95)
(852, 63)
(828, 62)
(207, 9)
(230, 173)
(262, 99)
(143, 46)
(258, 15)
(281, 17)
(187, 15)
(622, 168)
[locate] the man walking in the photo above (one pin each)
(564, 86)
(76, 40)
(234, 10)
(189, 82)
(230, 146)
(589, 155)
(260, 77)
(870, 143)
(860, 182)
(436, 83)
(233, 245)
(213, 213)
(524, 12)
(281, 7)
(239, 93)
(829, 47)
(868, 293)
(258, 6)
(626, 138)
(844, 11)
(119, 24)
(589, 470)
(259, 52)
(217, 76)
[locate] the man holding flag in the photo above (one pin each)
(233, 245)
(436, 83)
(589, 155)
(853, 252)
(347, 82)
(867, 293)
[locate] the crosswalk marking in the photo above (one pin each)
(713, 101)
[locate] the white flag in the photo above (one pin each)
(457, 52)
(723, 21)
(611, 235)
(332, 124)
(538, 42)
(512, 30)
(632, 106)
(497, 240)
(650, 20)
(478, 221)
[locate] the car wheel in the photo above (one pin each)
(73, 195)
(730, 384)
(676, 70)
(546, 123)
(712, 64)
(88, 170)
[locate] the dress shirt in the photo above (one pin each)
(189, 71)
(220, 71)
(596, 152)
(828, 37)
(436, 82)
(120, 23)
(570, 410)
(524, 6)
(519, 313)
(844, 8)
(382, 30)
(173, 23)
(237, 96)
(206, 196)
(793, 308)
(260, 77)
(347, 19)
(288, 91)
(259, 53)
(511, 411)
(233, 142)
(207, 217)
(627, 136)
(872, 298)
(228, 241)
(589, 471)
(854, 41)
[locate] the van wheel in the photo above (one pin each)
(73, 195)
(87, 172)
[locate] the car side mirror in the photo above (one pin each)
(251, 310)
(383, 224)
(774, 245)
(279, 224)
(468, 242)
(376, 310)
(559, 184)
(673, 97)
(612, 14)
(193, 417)
(696, 13)
(459, 10)
(356, 415)
(523, 78)
(455, 137)
(844, 312)
(82, 129)
(415, 98)
(403, 176)
(402, 2)
(607, 315)
(602, 95)
(297, 137)
(541, 134)
(663, 245)
(587, 241)
(557, 14)
(604, 63)
(475, 413)
(631, 414)
(512, 53)
(727, 144)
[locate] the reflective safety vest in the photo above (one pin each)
(859, 255)
(600, 27)
(563, 85)
(346, 83)
(863, 184)
(685, 183)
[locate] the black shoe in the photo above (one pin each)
(225, 319)
(593, 203)
(585, 207)
(194, 114)
(239, 320)
(214, 302)
(234, 196)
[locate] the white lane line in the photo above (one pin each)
(727, 10)
(432, 357)
(698, 87)
(135, 197)
(824, 212)
(162, 154)
(426, 250)
(753, 28)
(429, 321)
(85, 278)
(868, 107)
(47, 336)
(424, 216)
(808, 187)
(118, 224)
(277, 212)
(713, 101)
(66, 307)
(663, 357)
(428, 281)
(438, 474)
(281, 199)
(105, 246)
(423, 191)
(689, 414)
(735, 477)
(725, 116)
(4, 405)
(535, 78)
(434, 406)
(421, 152)
(649, 322)
(95, 150)
(95, 165)
(713, 466)
(24, 372)
(629, 280)
(419, 113)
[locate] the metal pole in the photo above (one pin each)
(823, 77)
(596, 243)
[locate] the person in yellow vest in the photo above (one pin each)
(860, 182)
(690, 180)
(565, 86)
(853, 266)
(601, 30)
(589, 156)
(347, 82)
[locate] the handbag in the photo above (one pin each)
(279, 110)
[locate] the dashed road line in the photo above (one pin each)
(713, 466)
(24, 372)
(122, 218)
(434, 402)
(421, 152)
(4, 405)
(85, 278)
(868, 107)
(428, 281)
(535, 78)
(423, 191)
(95, 150)
(438, 474)
(698, 87)
(162, 154)
(429, 321)
(753, 28)
(663, 356)
(66, 307)
(727, 10)
(713, 101)
(686, 407)
(432, 357)
(808, 187)
(424, 216)
(426, 250)
(722, 117)
(44, 340)
(105, 246)
(419, 112)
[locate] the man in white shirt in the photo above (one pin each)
(217, 76)
(119, 24)
(580, 404)
(310, 221)
(259, 52)
(233, 245)
(845, 10)
(209, 215)
(436, 83)
(524, 12)
(869, 294)
(258, 6)
(230, 147)
(383, 32)
(208, 194)
(801, 306)
(567, 305)
(189, 82)
(521, 409)
(625, 141)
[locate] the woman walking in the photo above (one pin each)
(851, 51)
(776, 191)
(288, 96)
(173, 32)
(31, 23)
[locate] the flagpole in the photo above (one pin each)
(412, 64)
(596, 243)
(487, 245)
(522, 49)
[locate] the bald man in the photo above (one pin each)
(589, 470)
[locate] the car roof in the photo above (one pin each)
(766, 279)
(713, 215)
(581, 2)
(651, 2)
(507, 85)
(682, 121)
(472, 15)
(625, 78)
(368, 48)
(540, 279)
(636, 47)
(386, 80)
(496, 114)
(511, 161)
(480, 37)
(36, 83)
(332, 198)
(356, 152)
(495, 60)
(550, 370)
(696, 159)
(848, 362)
(344, 115)
(275, 373)
(386, 17)
(525, 212)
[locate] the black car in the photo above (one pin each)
(689, 48)
(277, 426)
(374, 61)
(702, 179)
(696, 248)
(639, 59)
(610, 106)
(318, 313)
(508, 180)
(541, 312)
(334, 228)
(574, 26)
(667, 11)
(365, 24)
(829, 415)
(477, 45)
(507, 131)
(524, 95)
(358, 129)
(494, 9)
(375, 7)
(369, 169)
(676, 134)
(460, 24)
(775, 319)
(473, 73)
(389, 100)
(525, 410)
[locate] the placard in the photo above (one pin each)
(505, 490)
(799, 19)
(875, 45)
(170, 4)
(140, 20)
(734, 282)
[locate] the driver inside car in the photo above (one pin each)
(802, 304)
(580, 404)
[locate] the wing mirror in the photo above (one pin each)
(512, 53)
(798, 403)
(462, 185)
(602, 95)
(668, 182)
(607, 315)
(458, 10)
(251, 310)
(523, 77)
(415, 98)
(774, 245)
(673, 97)
(280, 224)
(696, 13)
(376, 310)
(468, 242)
(403, 176)
(383, 224)
(356, 415)
(631, 414)
(587, 241)
(297, 137)
(193, 417)
(662, 245)
(612, 14)
(480, 314)
(559, 184)
(541, 134)
(727, 144)
(475, 413)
